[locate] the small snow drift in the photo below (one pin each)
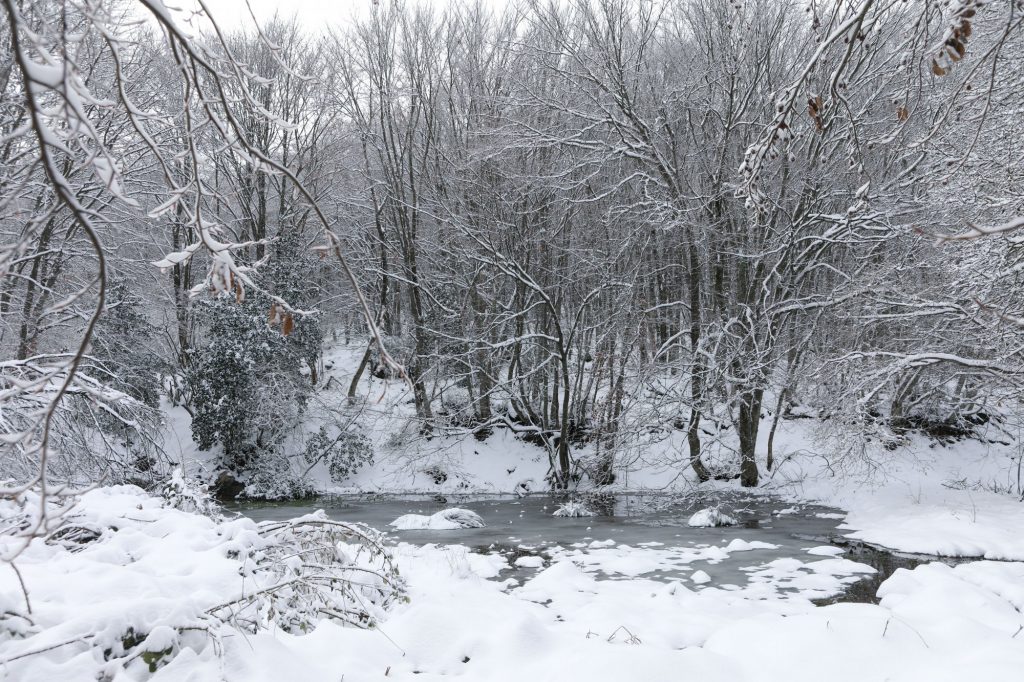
(446, 519)
(530, 561)
(711, 518)
(574, 510)
(700, 578)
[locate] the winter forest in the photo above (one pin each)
(511, 340)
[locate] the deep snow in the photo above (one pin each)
(156, 568)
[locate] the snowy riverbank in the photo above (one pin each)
(923, 496)
(590, 612)
(154, 574)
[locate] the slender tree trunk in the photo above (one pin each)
(749, 423)
(697, 372)
(359, 371)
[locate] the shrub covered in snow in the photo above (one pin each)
(344, 454)
(188, 495)
(574, 510)
(599, 468)
(246, 383)
(315, 568)
(123, 346)
(151, 582)
(436, 472)
(271, 477)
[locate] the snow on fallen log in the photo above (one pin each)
(711, 518)
(446, 519)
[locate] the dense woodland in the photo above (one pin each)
(589, 222)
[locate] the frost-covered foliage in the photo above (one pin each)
(272, 477)
(127, 583)
(95, 433)
(399, 347)
(318, 568)
(598, 467)
(457, 408)
(124, 344)
(292, 275)
(574, 509)
(247, 388)
(189, 495)
(344, 454)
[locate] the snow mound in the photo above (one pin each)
(131, 586)
(446, 519)
(711, 518)
(826, 550)
(700, 577)
(574, 510)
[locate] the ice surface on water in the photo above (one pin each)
(645, 536)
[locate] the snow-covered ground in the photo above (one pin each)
(139, 596)
(111, 607)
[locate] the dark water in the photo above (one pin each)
(885, 563)
(525, 526)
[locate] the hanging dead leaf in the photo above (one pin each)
(272, 316)
(937, 70)
(287, 324)
(902, 114)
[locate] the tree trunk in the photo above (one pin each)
(697, 372)
(749, 422)
(359, 372)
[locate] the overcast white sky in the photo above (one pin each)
(314, 13)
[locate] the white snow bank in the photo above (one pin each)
(131, 585)
(933, 623)
(922, 497)
(711, 518)
(446, 519)
(988, 526)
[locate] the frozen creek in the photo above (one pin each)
(777, 547)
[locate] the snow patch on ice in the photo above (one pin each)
(826, 550)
